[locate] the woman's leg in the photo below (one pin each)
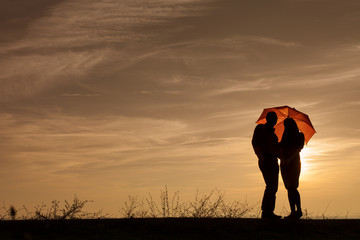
(298, 203)
(295, 205)
(292, 199)
(294, 175)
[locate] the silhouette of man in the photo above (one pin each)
(266, 147)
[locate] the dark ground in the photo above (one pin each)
(180, 228)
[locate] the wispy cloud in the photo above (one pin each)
(59, 147)
(241, 86)
(83, 24)
(80, 95)
(240, 41)
(323, 79)
(28, 75)
(76, 36)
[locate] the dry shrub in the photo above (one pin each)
(56, 211)
(212, 205)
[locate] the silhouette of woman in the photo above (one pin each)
(292, 142)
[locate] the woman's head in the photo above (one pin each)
(291, 135)
(290, 125)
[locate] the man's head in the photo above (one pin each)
(271, 119)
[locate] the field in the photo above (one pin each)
(180, 228)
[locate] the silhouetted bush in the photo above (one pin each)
(56, 211)
(210, 205)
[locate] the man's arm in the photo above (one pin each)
(257, 141)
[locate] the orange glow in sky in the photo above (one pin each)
(109, 98)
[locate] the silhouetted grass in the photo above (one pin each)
(55, 211)
(166, 205)
(212, 205)
(207, 216)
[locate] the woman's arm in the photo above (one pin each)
(299, 145)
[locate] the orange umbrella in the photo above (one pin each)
(301, 119)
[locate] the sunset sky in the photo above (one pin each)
(115, 97)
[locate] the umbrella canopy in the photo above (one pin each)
(301, 119)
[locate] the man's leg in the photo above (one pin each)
(271, 177)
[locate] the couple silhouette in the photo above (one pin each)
(268, 150)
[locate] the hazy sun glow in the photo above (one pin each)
(306, 156)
